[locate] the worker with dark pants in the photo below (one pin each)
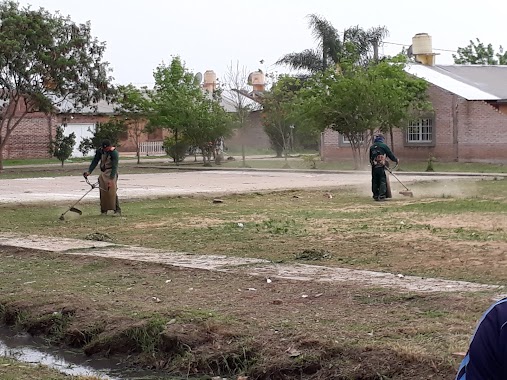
(108, 157)
(379, 152)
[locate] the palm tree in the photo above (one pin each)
(356, 46)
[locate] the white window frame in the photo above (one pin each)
(345, 141)
(420, 131)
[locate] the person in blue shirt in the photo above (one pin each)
(486, 358)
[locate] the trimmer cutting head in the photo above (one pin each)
(72, 209)
(407, 193)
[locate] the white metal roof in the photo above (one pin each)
(433, 75)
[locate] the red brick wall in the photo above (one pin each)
(330, 149)
(467, 131)
(30, 139)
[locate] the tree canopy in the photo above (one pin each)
(362, 101)
(62, 146)
(477, 53)
(133, 106)
(46, 61)
(355, 45)
(278, 112)
(178, 103)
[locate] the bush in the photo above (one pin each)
(177, 150)
(61, 147)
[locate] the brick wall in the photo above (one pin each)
(31, 138)
(467, 131)
(251, 135)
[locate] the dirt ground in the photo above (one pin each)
(171, 183)
(225, 324)
(212, 315)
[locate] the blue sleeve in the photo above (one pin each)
(486, 358)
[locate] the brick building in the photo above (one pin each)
(31, 138)
(468, 124)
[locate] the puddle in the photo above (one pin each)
(27, 349)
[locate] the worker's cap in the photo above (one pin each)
(379, 138)
(106, 143)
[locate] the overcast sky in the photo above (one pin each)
(210, 34)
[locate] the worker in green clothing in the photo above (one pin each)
(379, 152)
(108, 157)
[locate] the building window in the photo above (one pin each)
(420, 131)
(345, 141)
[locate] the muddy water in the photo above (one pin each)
(25, 348)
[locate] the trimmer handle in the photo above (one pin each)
(93, 185)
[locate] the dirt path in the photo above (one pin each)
(249, 266)
(48, 189)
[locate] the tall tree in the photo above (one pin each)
(133, 106)
(355, 45)
(46, 60)
(173, 99)
(477, 53)
(236, 84)
(277, 114)
(211, 125)
(361, 101)
(179, 104)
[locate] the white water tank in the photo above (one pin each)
(210, 77)
(422, 44)
(210, 81)
(257, 80)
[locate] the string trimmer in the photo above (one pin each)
(405, 192)
(73, 208)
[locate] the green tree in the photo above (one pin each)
(211, 126)
(174, 98)
(356, 45)
(277, 114)
(179, 104)
(133, 106)
(399, 97)
(113, 130)
(46, 62)
(477, 53)
(361, 102)
(61, 147)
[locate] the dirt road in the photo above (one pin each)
(47, 189)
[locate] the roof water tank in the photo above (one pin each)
(257, 77)
(421, 44)
(210, 76)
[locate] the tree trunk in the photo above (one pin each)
(1, 157)
(375, 51)
(138, 154)
(392, 139)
